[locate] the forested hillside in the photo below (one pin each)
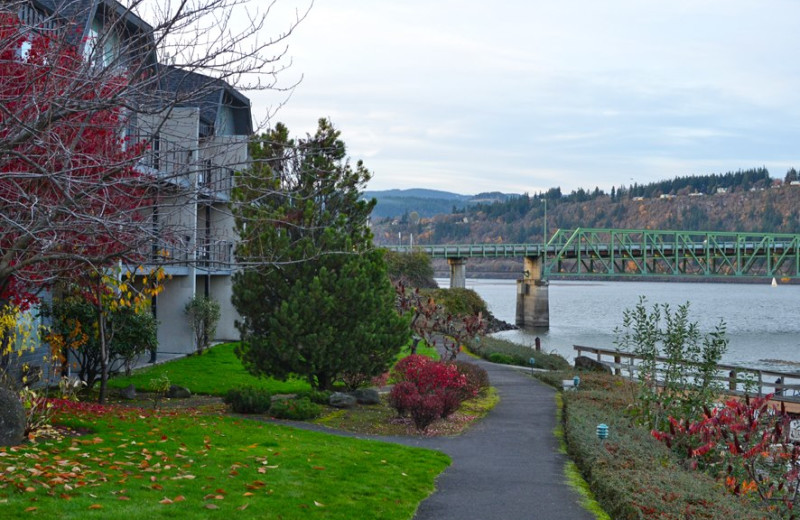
(414, 204)
(742, 201)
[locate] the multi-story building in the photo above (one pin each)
(202, 142)
(196, 128)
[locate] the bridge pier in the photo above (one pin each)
(458, 273)
(533, 300)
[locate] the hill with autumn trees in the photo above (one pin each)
(746, 200)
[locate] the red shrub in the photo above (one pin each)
(437, 375)
(427, 409)
(450, 399)
(403, 397)
(476, 377)
(443, 381)
(409, 368)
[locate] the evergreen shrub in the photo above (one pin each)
(631, 474)
(248, 400)
(503, 359)
(301, 409)
(317, 396)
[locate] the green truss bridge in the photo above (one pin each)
(627, 253)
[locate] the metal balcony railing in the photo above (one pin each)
(216, 255)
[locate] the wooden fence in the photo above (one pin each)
(738, 380)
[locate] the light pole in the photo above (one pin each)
(544, 224)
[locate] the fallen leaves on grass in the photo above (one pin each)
(67, 468)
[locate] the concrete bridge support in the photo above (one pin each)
(458, 273)
(533, 300)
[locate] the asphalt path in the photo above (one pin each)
(505, 467)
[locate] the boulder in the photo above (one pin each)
(590, 365)
(342, 400)
(12, 419)
(178, 392)
(129, 392)
(366, 396)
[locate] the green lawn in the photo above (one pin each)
(217, 371)
(214, 373)
(136, 464)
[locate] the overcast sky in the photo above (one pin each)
(521, 96)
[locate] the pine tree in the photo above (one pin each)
(314, 296)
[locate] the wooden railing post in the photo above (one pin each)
(617, 362)
(732, 380)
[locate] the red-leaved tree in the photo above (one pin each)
(69, 192)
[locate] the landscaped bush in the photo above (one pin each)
(504, 359)
(409, 368)
(300, 409)
(450, 400)
(743, 444)
(429, 375)
(631, 474)
(317, 396)
(425, 410)
(425, 386)
(248, 400)
(517, 354)
(476, 377)
(403, 396)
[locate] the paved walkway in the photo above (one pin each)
(507, 466)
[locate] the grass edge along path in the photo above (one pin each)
(572, 473)
(136, 464)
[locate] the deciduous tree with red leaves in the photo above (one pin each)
(83, 97)
(68, 187)
(79, 107)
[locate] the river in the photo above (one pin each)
(763, 322)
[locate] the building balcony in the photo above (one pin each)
(215, 257)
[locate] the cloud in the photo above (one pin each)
(466, 96)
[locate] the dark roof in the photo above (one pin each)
(209, 94)
(184, 87)
(80, 14)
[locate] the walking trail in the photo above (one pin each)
(508, 465)
(505, 467)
